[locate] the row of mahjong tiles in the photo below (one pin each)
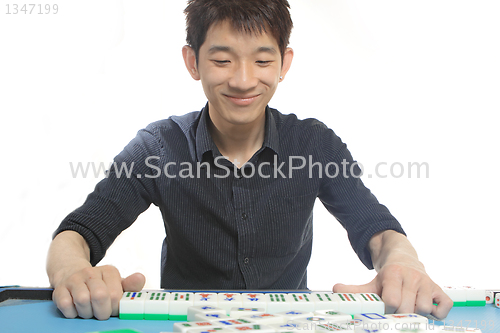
(210, 319)
(174, 305)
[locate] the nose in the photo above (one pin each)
(243, 78)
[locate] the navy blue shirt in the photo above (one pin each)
(229, 227)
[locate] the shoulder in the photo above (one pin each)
(184, 123)
(292, 122)
(289, 126)
(308, 134)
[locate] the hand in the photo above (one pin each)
(94, 292)
(405, 288)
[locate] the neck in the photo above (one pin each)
(238, 142)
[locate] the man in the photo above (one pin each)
(236, 184)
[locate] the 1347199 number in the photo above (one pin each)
(15, 9)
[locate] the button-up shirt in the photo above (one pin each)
(232, 226)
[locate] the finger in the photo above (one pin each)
(408, 300)
(134, 282)
(81, 300)
(99, 298)
(113, 281)
(370, 287)
(64, 302)
(444, 305)
(391, 293)
(423, 303)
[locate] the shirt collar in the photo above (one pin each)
(205, 144)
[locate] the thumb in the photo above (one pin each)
(134, 282)
(355, 289)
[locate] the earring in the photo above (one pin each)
(281, 77)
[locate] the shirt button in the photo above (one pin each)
(246, 261)
(244, 216)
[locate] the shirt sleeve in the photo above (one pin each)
(346, 197)
(128, 190)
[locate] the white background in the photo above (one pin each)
(399, 81)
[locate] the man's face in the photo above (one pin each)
(239, 72)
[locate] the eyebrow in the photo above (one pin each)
(219, 48)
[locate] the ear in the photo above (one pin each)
(190, 61)
(287, 62)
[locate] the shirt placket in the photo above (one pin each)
(243, 217)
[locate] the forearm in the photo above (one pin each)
(68, 253)
(391, 247)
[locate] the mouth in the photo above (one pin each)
(242, 101)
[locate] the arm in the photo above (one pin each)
(401, 281)
(80, 289)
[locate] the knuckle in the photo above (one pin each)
(65, 305)
(392, 302)
(424, 309)
(81, 299)
(100, 295)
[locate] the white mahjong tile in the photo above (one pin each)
(156, 305)
(294, 314)
(313, 320)
(192, 311)
(292, 327)
(185, 326)
(375, 321)
(333, 327)
(233, 322)
(277, 302)
(333, 315)
(371, 303)
(209, 299)
(352, 325)
(409, 321)
(132, 305)
(209, 330)
(348, 303)
(241, 311)
(227, 301)
(265, 318)
(179, 304)
(211, 316)
(253, 327)
(301, 301)
(473, 294)
(457, 295)
(325, 301)
(254, 300)
(489, 296)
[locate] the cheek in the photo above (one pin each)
(269, 76)
(212, 78)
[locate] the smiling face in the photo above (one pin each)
(239, 72)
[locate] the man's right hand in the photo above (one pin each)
(80, 289)
(94, 292)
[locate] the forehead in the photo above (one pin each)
(224, 34)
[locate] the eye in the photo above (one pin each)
(264, 62)
(221, 62)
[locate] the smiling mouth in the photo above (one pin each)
(242, 101)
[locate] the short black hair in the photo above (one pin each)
(251, 16)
